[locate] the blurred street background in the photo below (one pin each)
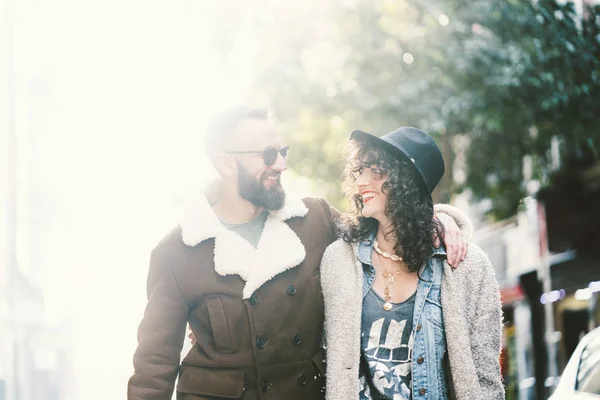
(102, 111)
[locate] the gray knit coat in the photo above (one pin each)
(472, 321)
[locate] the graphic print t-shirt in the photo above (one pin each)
(386, 349)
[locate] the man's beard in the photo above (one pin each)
(255, 192)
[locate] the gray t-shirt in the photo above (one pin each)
(386, 349)
(251, 230)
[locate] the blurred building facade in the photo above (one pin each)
(548, 269)
(512, 247)
(7, 200)
(34, 360)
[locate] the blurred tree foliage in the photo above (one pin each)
(511, 76)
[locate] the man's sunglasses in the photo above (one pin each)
(269, 154)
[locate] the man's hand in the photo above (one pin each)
(191, 336)
(454, 240)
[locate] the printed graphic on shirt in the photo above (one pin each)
(386, 349)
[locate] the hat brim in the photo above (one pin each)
(395, 150)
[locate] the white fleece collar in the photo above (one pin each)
(278, 250)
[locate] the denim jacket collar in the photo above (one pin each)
(440, 251)
(365, 249)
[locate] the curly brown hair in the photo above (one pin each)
(409, 207)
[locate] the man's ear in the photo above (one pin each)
(226, 164)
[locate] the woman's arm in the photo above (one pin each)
(457, 230)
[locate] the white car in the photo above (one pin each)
(581, 377)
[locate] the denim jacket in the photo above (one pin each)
(428, 375)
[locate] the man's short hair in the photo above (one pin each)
(221, 127)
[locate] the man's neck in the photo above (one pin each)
(233, 209)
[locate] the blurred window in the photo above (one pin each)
(588, 375)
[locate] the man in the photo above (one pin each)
(244, 274)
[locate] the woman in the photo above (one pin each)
(399, 322)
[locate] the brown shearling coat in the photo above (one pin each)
(257, 314)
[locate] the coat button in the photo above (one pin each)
(265, 386)
(291, 289)
(420, 360)
(296, 339)
(262, 341)
(422, 391)
(301, 379)
(252, 300)
(418, 327)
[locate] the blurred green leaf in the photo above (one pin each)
(488, 69)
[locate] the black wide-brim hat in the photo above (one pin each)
(414, 146)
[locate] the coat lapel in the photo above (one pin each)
(278, 250)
